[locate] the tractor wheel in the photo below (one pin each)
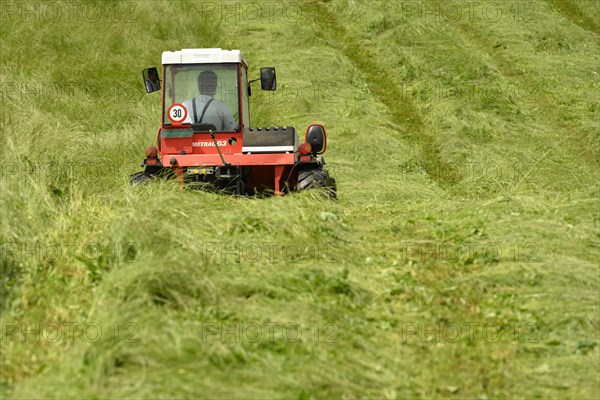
(317, 178)
(141, 178)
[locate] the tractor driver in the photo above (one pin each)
(205, 108)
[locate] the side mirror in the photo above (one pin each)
(315, 135)
(151, 80)
(268, 80)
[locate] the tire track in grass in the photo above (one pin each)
(574, 14)
(387, 90)
(546, 102)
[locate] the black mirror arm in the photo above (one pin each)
(249, 88)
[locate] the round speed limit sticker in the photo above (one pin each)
(177, 113)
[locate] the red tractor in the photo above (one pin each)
(205, 140)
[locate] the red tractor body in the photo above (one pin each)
(205, 139)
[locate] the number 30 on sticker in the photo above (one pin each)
(177, 113)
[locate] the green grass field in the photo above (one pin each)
(461, 260)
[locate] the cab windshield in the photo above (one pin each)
(208, 92)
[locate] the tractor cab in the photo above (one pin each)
(194, 78)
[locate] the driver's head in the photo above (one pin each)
(207, 83)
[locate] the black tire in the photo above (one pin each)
(141, 178)
(315, 179)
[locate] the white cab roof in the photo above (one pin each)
(202, 56)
